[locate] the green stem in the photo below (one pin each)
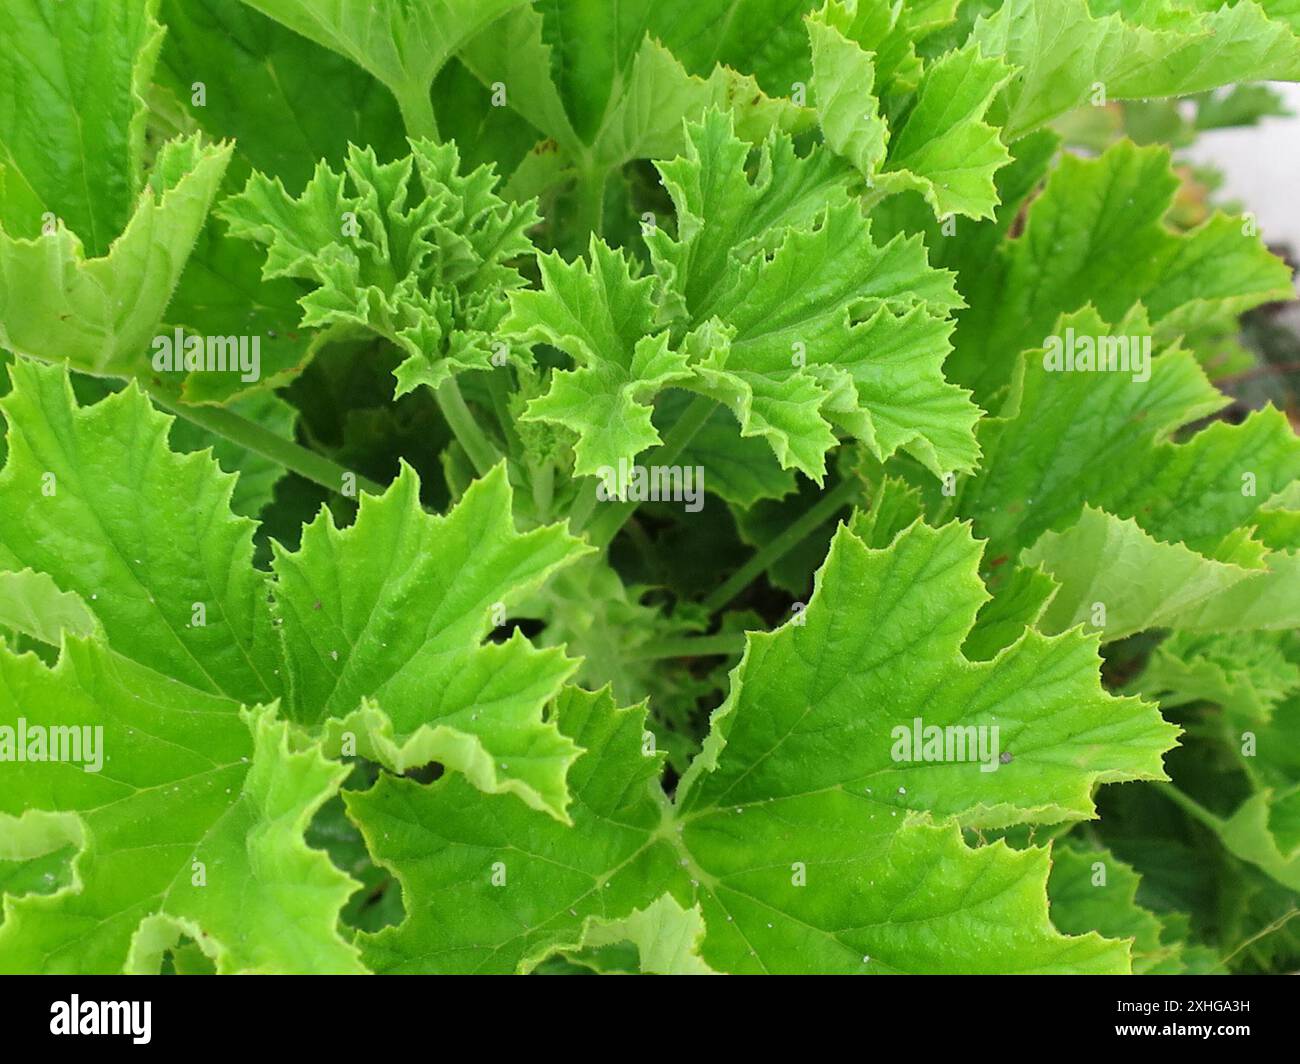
(590, 217)
(499, 391)
(1275, 926)
(583, 505)
(1189, 805)
(606, 526)
(417, 113)
(469, 434)
(777, 548)
(252, 436)
(704, 646)
(543, 490)
(649, 554)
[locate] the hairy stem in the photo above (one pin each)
(821, 511)
(590, 217)
(583, 505)
(1189, 805)
(252, 436)
(469, 434)
(543, 490)
(417, 113)
(499, 383)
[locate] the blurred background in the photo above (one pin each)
(1257, 165)
(1260, 165)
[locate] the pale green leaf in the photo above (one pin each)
(73, 79)
(383, 626)
(414, 251)
(101, 314)
(602, 316)
(1121, 580)
(1071, 438)
(31, 603)
(665, 936)
(843, 78)
(194, 819)
(1066, 55)
(93, 497)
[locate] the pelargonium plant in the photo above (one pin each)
(662, 486)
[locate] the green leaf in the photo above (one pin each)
(1256, 680)
(286, 101)
(1018, 603)
(193, 825)
(1246, 674)
(666, 938)
(86, 491)
(827, 320)
(332, 629)
(1096, 235)
(258, 475)
(929, 572)
(795, 801)
(726, 217)
(595, 80)
(647, 120)
(222, 294)
(767, 42)
(31, 603)
(943, 149)
(1065, 54)
(72, 133)
(1139, 581)
(604, 318)
(843, 77)
(1092, 890)
(803, 321)
(36, 853)
(588, 611)
(100, 314)
(383, 626)
(1252, 834)
(892, 33)
(677, 269)
(404, 45)
(1176, 515)
(413, 251)
(449, 840)
(741, 470)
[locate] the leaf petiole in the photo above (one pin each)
(605, 527)
(469, 434)
(841, 495)
(252, 436)
(416, 108)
